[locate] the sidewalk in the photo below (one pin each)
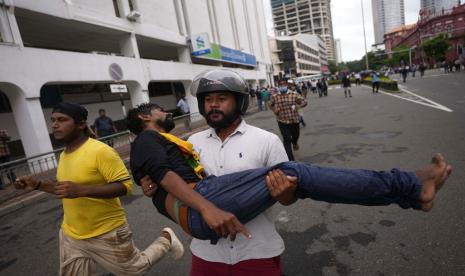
(12, 199)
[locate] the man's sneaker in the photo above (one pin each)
(295, 147)
(177, 249)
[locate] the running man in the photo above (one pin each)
(90, 179)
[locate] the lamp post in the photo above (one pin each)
(364, 36)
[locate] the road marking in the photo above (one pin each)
(418, 99)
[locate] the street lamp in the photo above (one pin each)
(364, 36)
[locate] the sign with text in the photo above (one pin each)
(118, 88)
(222, 53)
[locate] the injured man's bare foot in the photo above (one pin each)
(432, 179)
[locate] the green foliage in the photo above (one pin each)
(385, 83)
(333, 67)
(334, 82)
(376, 60)
(436, 47)
(400, 53)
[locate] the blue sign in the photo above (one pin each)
(235, 56)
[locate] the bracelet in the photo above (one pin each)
(39, 183)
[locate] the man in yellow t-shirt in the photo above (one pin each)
(90, 179)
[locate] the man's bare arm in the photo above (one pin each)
(223, 223)
(68, 189)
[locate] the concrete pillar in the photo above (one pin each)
(184, 55)
(30, 121)
(128, 46)
(138, 93)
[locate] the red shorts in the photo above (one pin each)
(254, 267)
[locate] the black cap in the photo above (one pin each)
(75, 111)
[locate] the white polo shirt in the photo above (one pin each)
(248, 147)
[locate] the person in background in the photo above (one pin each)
(258, 93)
(358, 79)
(285, 105)
(183, 107)
(265, 97)
(422, 69)
(346, 85)
(5, 154)
(375, 82)
(104, 125)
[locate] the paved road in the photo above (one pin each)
(366, 131)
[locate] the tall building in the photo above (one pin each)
(435, 6)
(338, 50)
(304, 16)
(298, 56)
(75, 50)
(387, 14)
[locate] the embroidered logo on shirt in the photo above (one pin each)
(240, 154)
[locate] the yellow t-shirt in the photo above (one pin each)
(94, 163)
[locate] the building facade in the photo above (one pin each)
(451, 23)
(298, 56)
(73, 50)
(387, 14)
(338, 50)
(437, 6)
(291, 17)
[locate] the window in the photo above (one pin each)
(166, 88)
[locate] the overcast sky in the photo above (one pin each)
(347, 24)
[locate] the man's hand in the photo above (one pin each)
(68, 189)
(432, 179)
(224, 223)
(27, 183)
(148, 186)
(281, 186)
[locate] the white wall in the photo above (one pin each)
(158, 12)
(242, 27)
(198, 18)
(253, 29)
(225, 28)
(104, 7)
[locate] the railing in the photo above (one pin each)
(46, 163)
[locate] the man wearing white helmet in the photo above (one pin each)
(231, 145)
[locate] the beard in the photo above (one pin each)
(168, 124)
(227, 120)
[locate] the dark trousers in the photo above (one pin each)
(290, 134)
(245, 193)
(375, 87)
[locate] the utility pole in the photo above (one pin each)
(364, 36)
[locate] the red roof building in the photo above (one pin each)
(429, 25)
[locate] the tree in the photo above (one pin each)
(436, 47)
(400, 53)
(333, 67)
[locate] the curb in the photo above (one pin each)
(26, 201)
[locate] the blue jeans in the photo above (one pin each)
(246, 195)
